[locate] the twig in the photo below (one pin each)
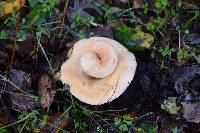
(51, 68)
(5, 79)
(64, 14)
(179, 39)
(15, 40)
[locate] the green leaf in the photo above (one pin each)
(87, 112)
(44, 121)
(175, 130)
(170, 106)
(40, 12)
(161, 3)
(36, 17)
(166, 51)
(183, 54)
(33, 3)
(128, 120)
(21, 36)
(3, 34)
(111, 13)
(4, 130)
(133, 39)
(117, 121)
(123, 128)
(150, 128)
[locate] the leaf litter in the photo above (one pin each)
(169, 94)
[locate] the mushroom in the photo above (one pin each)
(99, 70)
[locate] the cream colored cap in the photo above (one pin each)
(99, 70)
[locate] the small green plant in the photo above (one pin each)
(111, 13)
(156, 25)
(80, 126)
(162, 65)
(161, 3)
(3, 34)
(183, 54)
(3, 130)
(78, 114)
(147, 128)
(11, 21)
(21, 36)
(166, 51)
(150, 26)
(123, 124)
(79, 21)
(145, 8)
(175, 130)
(82, 34)
(41, 9)
(159, 23)
(28, 117)
(45, 4)
(169, 105)
(123, 34)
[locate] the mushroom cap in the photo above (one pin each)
(99, 70)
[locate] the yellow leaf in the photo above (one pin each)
(147, 39)
(9, 7)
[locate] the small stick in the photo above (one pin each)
(179, 39)
(15, 40)
(64, 14)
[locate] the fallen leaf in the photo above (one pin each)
(45, 90)
(19, 80)
(169, 124)
(192, 38)
(191, 111)
(23, 102)
(183, 75)
(7, 7)
(147, 39)
(194, 86)
(133, 39)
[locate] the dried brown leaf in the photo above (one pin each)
(23, 102)
(45, 90)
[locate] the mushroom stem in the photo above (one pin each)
(100, 61)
